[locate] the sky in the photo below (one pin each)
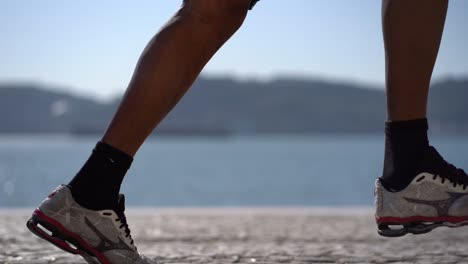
(91, 47)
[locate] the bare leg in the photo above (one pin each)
(169, 65)
(412, 33)
(167, 68)
(413, 169)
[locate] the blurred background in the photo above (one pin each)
(289, 113)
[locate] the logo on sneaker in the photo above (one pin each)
(442, 206)
(106, 244)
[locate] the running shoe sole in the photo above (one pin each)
(55, 233)
(398, 227)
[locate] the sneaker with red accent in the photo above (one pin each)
(437, 196)
(100, 237)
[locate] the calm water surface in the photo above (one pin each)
(239, 171)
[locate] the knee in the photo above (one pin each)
(223, 16)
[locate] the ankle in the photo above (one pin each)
(96, 186)
(406, 143)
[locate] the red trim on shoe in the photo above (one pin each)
(404, 220)
(56, 241)
(52, 194)
(54, 222)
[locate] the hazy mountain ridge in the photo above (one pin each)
(226, 106)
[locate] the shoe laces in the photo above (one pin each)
(447, 171)
(120, 211)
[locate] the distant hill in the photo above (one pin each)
(225, 106)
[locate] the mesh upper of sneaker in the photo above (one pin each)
(94, 227)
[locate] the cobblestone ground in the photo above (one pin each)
(252, 236)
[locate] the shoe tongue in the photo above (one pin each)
(121, 203)
(436, 162)
(431, 159)
(434, 154)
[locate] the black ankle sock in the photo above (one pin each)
(97, 184)
(405, 145)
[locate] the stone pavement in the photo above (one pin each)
(274, 235)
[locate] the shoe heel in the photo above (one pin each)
(37, 226)
(63, 238)
(385, 230)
